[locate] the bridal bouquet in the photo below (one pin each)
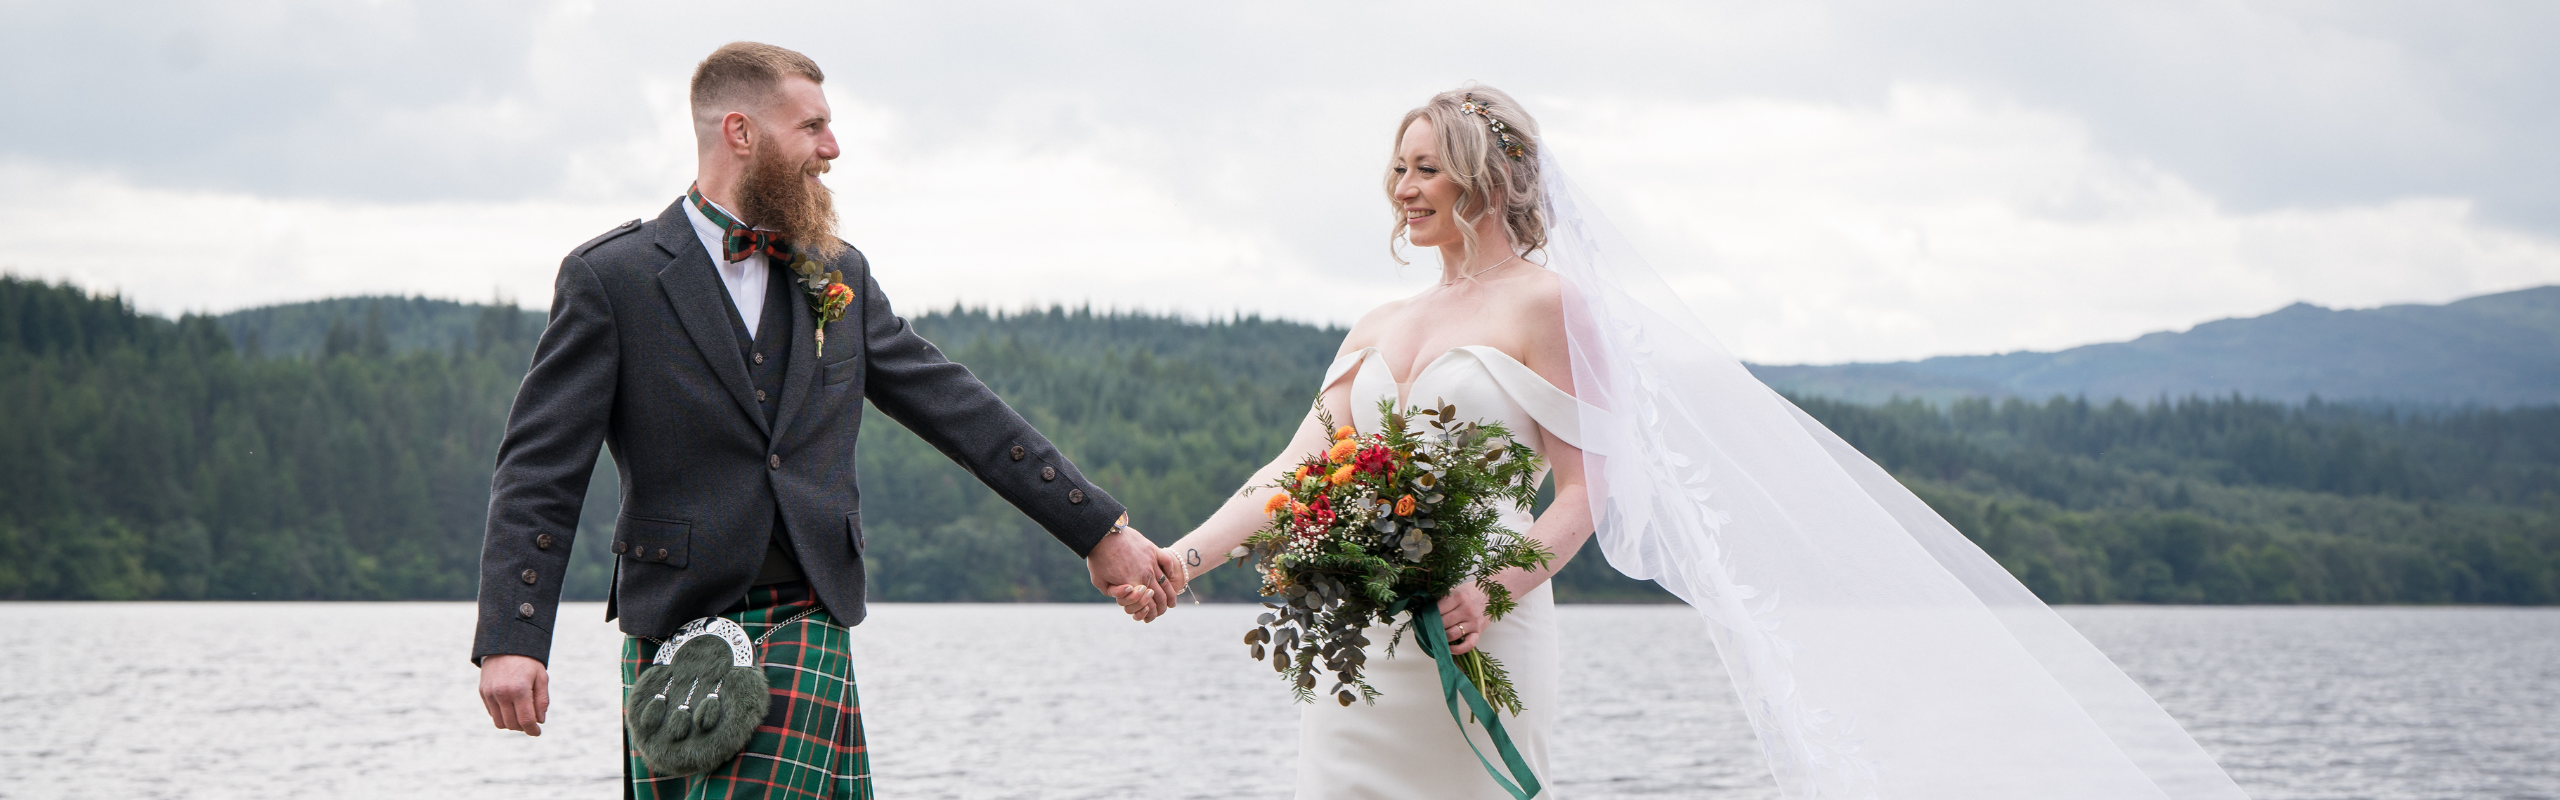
(1386, 523)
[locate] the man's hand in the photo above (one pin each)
(1131, 570)
(517, 692)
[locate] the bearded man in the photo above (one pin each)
(724, 350)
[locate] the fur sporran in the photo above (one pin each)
(697, 706)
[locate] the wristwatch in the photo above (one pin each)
(1121, 525)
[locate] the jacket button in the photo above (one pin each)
(759, 395)
(773, 461)
(542, 542)
(1048, 473)
(529, 577)
(758, 358)
(662, 554)
(1075, 496)
(618, 547)
(1017, 452)
(524, 610)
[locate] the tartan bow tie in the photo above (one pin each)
(737, 241)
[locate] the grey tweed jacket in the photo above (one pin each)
(639, 355)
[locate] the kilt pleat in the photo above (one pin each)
(810, 745)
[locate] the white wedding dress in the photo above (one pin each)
(1406, 745)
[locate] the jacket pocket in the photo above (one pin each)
(853, 531)
(842, 371)
(653, 541)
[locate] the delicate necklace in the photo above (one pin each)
(1472, 275)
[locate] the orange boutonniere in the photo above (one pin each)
(828, 296)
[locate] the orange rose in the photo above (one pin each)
(1404, 505)
(1342, 450)
(1341, 476)
(1344, 432)
(1280, 500)
(1297, 508)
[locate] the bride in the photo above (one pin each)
(1488, 338)
(1876, 651)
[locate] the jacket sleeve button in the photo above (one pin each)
(524, 610)
(529, 577)
(542, 542)
(1018, 452)
(618, 547)
(1075, 496)
(1048, 473)
(662, 554)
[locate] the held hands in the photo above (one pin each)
(1131, 570)
(517, 692)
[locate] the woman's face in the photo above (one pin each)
(1423, 190)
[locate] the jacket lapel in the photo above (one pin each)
(693, 287)
(803, 367)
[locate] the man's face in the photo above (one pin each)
(780, 189)
(799, 127)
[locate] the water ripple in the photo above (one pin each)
(219, 700)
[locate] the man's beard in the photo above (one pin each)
(776, 194)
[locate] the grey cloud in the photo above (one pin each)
(2307, 104)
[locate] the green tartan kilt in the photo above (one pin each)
(810, 745)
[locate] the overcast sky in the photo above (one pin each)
(1823, 181)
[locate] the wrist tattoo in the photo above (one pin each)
(1191, 557)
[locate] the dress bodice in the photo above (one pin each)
(1484, 383)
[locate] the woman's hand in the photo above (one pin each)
(1145, 603)
(1462, 612)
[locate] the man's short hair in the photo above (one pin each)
(742, 76)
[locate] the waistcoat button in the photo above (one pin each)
(773, 461)
(542, 542)
(524, 610)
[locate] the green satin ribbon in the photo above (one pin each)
(1434, 639)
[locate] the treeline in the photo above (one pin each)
(2233, 500)
(150, 458)
(342, 449)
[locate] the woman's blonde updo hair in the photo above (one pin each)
(1472, 154)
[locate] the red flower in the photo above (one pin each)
(1320, 511)
(1376, 459)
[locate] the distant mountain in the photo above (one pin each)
(371, 324)
(151, 458)
(2492, 350)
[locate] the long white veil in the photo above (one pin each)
(1878, 652)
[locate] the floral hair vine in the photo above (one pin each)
(1502, 137)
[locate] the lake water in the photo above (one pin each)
(331, 700)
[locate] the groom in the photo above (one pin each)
(718, 352)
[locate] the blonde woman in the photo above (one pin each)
(1875, 650)
(1488, 338)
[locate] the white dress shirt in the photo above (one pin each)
(746, 278)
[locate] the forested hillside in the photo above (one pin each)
(343, 449)
(2492, 350)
